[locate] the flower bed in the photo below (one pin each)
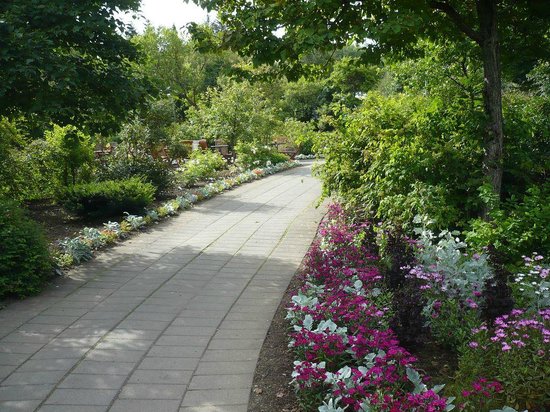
(306, 157)
(72, 251)
(349, 359)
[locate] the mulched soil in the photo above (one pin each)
(59, 224)
(437, 362)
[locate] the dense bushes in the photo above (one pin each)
(24, 258)
(518, 227)
(202, 164)
(250, 155)
(122, 166)
(39, 168)
(108, 198)
(404, 155)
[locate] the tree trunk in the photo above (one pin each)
(492, 95)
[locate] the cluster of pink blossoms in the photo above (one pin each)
(348, 356)
(519, 329)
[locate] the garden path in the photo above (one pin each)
(171, 320)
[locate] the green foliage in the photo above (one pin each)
(25, 262)
(302, 99)
(301, 134)
(234, 112)
(540, 78)
(158, 117)
(73, 152)
(133, 158)
(157, 130)
(75, 69)
(407, 150)
(39, 168)
(202, 165)
(453, 325)
(108, 198)
(177, 149)
(9, 140)
(350, 78)
(527, 158)
(250, 155)
(378, 28)
(443, 69)
(518, 228)
(180, 66)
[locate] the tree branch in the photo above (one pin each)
(457, 19)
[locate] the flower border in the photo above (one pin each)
(70, 252)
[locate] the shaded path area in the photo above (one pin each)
(170, 320)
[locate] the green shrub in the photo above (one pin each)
(73, 153)
(37, 169)
(519, 227)
(24, 259)
(301, 134)
(406, 149)
(108, 198)
(250, 155)
(122, 166)
(202, 164)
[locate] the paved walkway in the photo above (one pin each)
(171, 320)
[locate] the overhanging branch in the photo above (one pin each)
(457, 19)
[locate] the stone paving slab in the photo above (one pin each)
(172, 319)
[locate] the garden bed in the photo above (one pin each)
(425, 327)
(75, 250)
(59, 224)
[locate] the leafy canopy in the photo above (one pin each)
(68, 62)
(286, 30)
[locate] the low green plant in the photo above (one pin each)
(78, 249)
(25, 262)
(108, 198)
(452, 283)
(136, 222)
(251, 155)
(202, 164)
(124, 166)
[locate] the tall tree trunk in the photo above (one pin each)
(492, 95)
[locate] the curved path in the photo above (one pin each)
(170, 320)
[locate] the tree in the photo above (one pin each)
(302, 99)
(73, 151)
(182, 67)
(68, 61)
(234, 112)
(285, 29)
